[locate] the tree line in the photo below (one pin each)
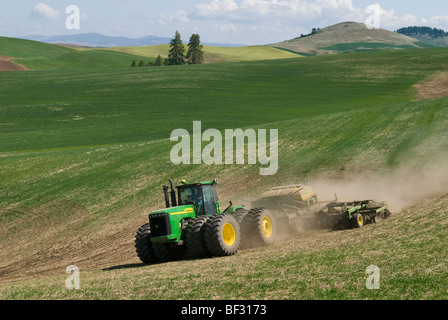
(177, 55)
(433, 33)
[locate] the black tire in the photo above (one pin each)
(144, 246)
(240, 214)
(168, 251)
(194, 239)
(357, 220)
(259, 228)
(222, 235)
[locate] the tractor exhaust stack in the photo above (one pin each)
(173, 194)
(167, 198)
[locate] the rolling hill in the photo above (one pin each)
(36, 55)
(347, 37)
(216, 54)
(83, 156)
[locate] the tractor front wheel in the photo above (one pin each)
(194, 238)
(144, 246)
(168, 251)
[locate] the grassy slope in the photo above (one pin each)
(317, 265)
(90, 199)
(41, 56)
(216, 54)
(105, 106)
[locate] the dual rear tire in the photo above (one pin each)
(259, 228)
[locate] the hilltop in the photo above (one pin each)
(347, 37)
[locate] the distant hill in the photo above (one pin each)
(99, 40)
(347, 37)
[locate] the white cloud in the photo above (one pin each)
(43, 10)
(216, 7)
(259, 10)
(227, 28)
(180, 16)
(286, 8)
(439, 22)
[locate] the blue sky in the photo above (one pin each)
(217, 21)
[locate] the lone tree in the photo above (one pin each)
(195, 54)
(141, 63)
(159, 61)
(134, 64)
(177, 51)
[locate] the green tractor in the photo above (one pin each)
(193, 225)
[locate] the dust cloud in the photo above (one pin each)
(400, 188)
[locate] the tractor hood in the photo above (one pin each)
(175, 210)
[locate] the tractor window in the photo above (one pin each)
(210, 198)
(192, 195)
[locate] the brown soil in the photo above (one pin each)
(49, 239)
(436, 86)
(6, 64)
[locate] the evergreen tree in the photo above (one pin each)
(141, 63)
(177, 51)
(159, 61)
(195, 54)
(134, 64)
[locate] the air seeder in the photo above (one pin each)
(297, 207)
(193, 225)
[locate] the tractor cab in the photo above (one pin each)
(202, 196)
(191, 201)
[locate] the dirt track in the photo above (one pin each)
(7, 65)
(436, 86)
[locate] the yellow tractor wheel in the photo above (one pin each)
(259, 228)
(222, 235)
